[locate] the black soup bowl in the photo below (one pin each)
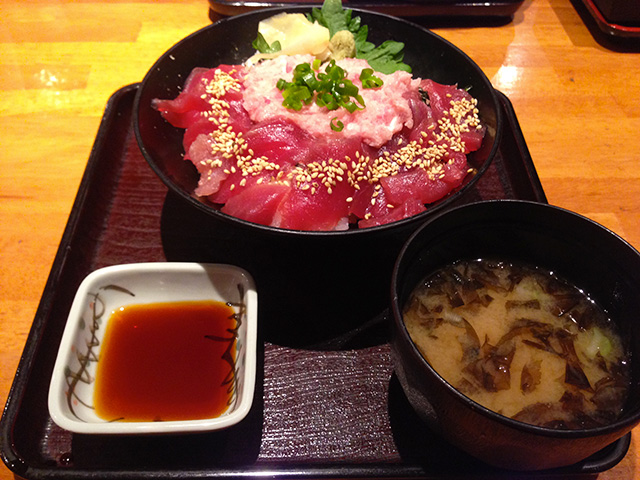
(579, 250)
(294, 269)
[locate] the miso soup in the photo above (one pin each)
(522, 342)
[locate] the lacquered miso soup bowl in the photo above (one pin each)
(577, 249)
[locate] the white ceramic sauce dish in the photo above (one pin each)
(71, 395)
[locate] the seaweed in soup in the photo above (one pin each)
(529, 344)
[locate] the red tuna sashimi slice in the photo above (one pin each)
(210, 166)
(455, 169)
(424, 120)
(408, 209)
(372, 205)
(309, 209)
(281, 141)
(318, 200)
(302, 210)
(202, 126)
(188, 106)
(441, 96)
(238, 120)
(414, 184)
(362, 205)
(267, 150)
(237, 72)
(405, 185)
(208, 157)
(258, 203)
(473, 139)
(440, 100)
(425, 123)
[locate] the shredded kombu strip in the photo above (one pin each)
(488, 366)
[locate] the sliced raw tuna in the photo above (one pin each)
(370, 202)
(200, 126)
(409, 208)
(455, 169)
(276, 147)
(258, 203)
(303, 210)
(188, 106)
(440, 100)
(319, 199)
(210, 165)
(277, 170)
(414, 184)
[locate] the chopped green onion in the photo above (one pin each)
(332, 88)
(336, 125)
(295, 96)
(369, 80)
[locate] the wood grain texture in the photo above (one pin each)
(577, 102)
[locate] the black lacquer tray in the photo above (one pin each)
(612, 34)
(398, 8)
(330, 409)
(614, 27)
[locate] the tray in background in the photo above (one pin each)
(401, 8)
(612, 26)
(610, 34)
(332, 411)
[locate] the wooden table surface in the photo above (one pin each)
(577, 100)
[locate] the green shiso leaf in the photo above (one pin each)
(261, 45)
(386, 58)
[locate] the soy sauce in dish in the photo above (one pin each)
(522, 342)
(166, 362)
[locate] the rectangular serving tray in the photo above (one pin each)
(616, 29)
(332, 412)
(400, 8)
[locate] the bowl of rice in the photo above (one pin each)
(348, 176)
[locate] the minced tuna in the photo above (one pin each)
(267, 164)
(387, 109)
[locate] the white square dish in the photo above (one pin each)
(71, 393)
